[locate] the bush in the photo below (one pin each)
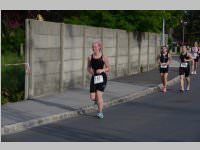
(13, 79)
(11, 39)
(4, 97)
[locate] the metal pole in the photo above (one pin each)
(163, 31)
(21, 49)
(183, 33)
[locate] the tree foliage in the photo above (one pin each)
(138, 20)
(191, 28)
(13, 22)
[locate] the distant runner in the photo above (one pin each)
(164, 60)
(184, 69)
(195, 51)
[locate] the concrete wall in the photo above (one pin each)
(57, 54)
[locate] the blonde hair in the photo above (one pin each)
(183, 47)
(196, 43)
(99, 44)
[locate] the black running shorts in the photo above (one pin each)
(100, 86)
(197, 59)
(184, 71)
(164, 70)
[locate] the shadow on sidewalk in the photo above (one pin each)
(54, 104)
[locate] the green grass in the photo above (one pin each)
(12, 78)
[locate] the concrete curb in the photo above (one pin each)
(18, 127)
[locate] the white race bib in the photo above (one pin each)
(194, 55)
(163, 65)
(98, 79)
(184, 65)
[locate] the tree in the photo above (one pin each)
(13, 22)
(192, 28)
(139, 20)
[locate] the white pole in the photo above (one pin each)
(21, 49)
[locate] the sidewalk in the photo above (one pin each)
(20, 116)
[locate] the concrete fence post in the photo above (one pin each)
(139, 59)
(102, 41)
(129, 52)
(148, 53)
(84, 67)
(31, 61)
(156, 48)
(116, 58)
(62, 34)
(26, 90)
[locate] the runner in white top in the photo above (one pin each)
(195, 51)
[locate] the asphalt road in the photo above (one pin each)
(170, 117)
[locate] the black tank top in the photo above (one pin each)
(182, 57)
(163, 58)
(97, 63)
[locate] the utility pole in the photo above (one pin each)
(183, 24)
(163, 32)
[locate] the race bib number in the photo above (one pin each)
(98, 79)
(163, 65)
(184, 65)
(194, 55)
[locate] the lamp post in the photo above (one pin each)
(163, 32)
(183, 23)
(163, 28)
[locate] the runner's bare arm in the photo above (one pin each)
(107, 64)
(190, 57)
(158, 59)
(170, 59)
(89, 69)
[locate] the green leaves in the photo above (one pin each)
(191, 29)
(138, 20)
(12, 39)
(12, 78)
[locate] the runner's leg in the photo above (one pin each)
(188, 83)
(100, 100)
(193, 61)
(162, 78)
(182, 82)
(165, 82)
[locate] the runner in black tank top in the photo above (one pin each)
(164, 60)
(184, 69)
(98, 65)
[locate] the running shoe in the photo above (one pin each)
(188, 88)
(165, 90)
(181, 90)
(100, 115)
